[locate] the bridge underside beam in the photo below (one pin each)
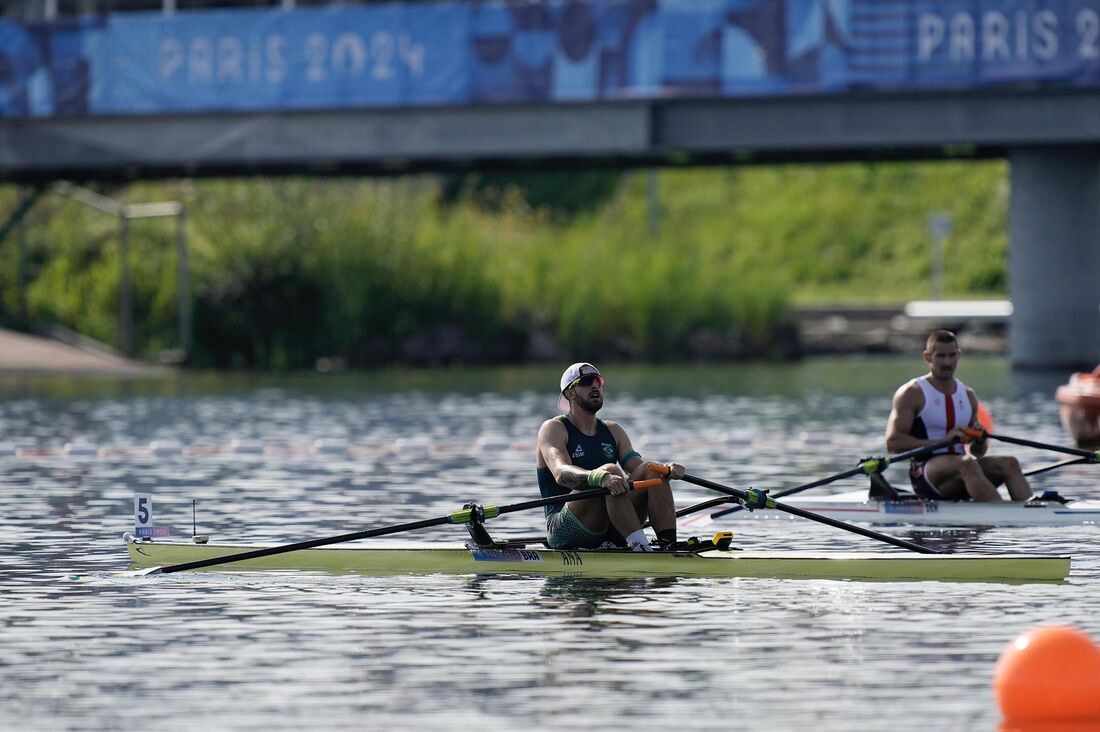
(1054, 257)
(620, 134)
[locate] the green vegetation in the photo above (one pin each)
(430, 269)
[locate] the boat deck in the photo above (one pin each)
(384, 558)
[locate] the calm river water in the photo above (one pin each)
(259, 651)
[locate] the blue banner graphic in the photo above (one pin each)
(452, 53)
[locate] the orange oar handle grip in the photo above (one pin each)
(640, 484)
(974, 434)
(658, 468)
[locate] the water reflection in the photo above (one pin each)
(246, 650)
(948, 541)
(589, 596)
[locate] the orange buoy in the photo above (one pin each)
(985, 419)
(1049, 674)
(1060, 725)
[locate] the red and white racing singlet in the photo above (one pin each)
(942, 413)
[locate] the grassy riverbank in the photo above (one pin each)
(426, 270)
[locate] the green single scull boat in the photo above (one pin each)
(388, 558)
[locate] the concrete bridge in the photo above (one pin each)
(532, 86)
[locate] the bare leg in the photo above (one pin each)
(1007, 470)
(598, 513)
(657, 504)
(977, 482)
(623, 514)
(954, 474)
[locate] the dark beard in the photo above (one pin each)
(587, 404)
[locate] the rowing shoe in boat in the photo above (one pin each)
(386, 558)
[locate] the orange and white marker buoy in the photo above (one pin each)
(1049, 675)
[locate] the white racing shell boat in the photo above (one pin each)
(908, 508)
(882, 503)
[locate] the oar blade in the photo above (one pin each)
(125, 574)
(140, 572)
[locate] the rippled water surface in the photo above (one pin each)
(237, 650)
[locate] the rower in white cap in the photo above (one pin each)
(577, 451)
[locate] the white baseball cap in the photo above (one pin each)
(570, 376)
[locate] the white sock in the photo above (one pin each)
(638, 541)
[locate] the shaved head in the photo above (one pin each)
(939, 336)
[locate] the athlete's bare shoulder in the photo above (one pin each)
(552, 445)
(910, 394)
(973, 397)
(551, 427)
(617, 430)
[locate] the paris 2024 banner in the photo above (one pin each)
(463, 53)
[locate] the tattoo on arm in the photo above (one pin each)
(573, 477)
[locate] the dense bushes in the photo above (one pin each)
(494, 268)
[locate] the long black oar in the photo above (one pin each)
(1054, 466)
(754, 498)
(464, 516)
(1091, 456)
(866, 466)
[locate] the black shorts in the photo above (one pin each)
(921, 485)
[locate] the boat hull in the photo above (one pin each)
(388, 559)
(855, 506)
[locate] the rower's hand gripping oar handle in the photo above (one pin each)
(658, 469)
(975, 433)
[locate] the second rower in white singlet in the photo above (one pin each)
(935, 406)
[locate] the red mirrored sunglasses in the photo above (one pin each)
(587, 381)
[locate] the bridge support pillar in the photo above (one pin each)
(1054, 257)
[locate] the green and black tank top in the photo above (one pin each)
(585, 451)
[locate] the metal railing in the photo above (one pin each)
(125, 213)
